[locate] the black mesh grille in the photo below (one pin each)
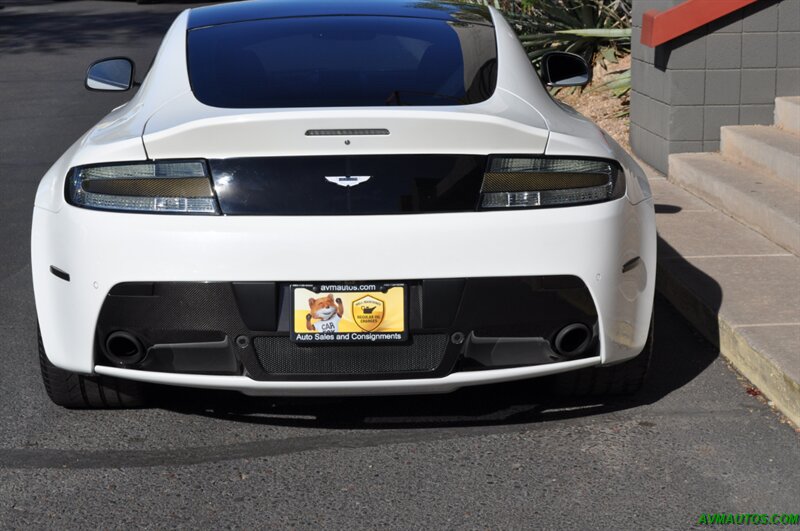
(526, 182)
(161, 187)
(279, 355)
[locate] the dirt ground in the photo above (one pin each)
(601, 106)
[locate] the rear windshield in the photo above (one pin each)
(339, 61)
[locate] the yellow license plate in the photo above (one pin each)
(336, 313)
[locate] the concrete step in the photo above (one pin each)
(736, 287)
(775, 150)
(759, 201)
(787, 113)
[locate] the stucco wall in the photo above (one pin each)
(727, 72)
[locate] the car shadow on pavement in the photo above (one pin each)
(680, 355)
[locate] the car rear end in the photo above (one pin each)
(424, 201)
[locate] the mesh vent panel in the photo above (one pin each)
(279, 355)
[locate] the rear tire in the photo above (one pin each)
(76, 391)
(626, 378)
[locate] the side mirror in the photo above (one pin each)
(114, 74)
(564, 69)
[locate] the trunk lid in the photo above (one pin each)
(185, 128)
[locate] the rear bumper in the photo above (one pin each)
(452, 325)
(347, 388)
(100, 250)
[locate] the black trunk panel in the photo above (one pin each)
(397, 184)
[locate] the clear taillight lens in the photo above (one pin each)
(529, 182)
(182, 187)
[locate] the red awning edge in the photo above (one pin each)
(658, 28)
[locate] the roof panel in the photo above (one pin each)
(262, 9)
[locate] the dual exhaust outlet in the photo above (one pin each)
(125, 349)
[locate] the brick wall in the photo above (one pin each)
(727, 72)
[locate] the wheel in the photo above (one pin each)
(624, 378)
(76, 391)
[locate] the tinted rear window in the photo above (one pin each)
(338, 61)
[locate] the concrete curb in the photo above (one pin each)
(751, 362)
(704, 263)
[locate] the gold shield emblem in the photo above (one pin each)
(368, 312)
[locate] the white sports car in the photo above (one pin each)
(315, 198)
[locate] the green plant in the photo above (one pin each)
(599, 30)
(595, 29)
(619, 84)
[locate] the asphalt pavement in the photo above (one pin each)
(695, 441)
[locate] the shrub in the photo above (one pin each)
(599, 30)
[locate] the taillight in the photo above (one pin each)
(531, 182)
(160, 187)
